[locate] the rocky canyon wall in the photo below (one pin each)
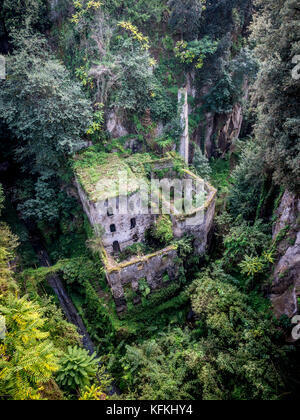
(286, 278)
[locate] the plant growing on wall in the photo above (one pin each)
(144, 287)
(163, 230)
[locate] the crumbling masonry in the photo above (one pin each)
(118, 231)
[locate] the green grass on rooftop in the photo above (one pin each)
(97, 171)
(98, 174)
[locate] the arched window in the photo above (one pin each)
(113, 228)
(132, 223)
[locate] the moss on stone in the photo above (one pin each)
(98, 173)
(136, 260)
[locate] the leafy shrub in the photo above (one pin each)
(245, 239)
(28, 358)
(42, 106)
(201, 164)
(77, 369)
(195, 52)
(163, 230)
(248, 182)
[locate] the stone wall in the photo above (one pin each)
(124, 229)
(199, 222)
(184, 119)
(152, 268)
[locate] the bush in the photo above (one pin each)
(163, 230)
(201, 164)
(245, 239)
(77, 369)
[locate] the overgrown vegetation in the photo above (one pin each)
(91, 90)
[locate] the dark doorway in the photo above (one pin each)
(116, 247)
(132, 223)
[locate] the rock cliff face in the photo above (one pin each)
(115, 125)
(286, 281)
(218, 131)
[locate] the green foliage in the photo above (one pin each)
(26, 255)
(229, 88)
(201, 164)
(230, 348)
(137, 82)
(2, 199)
(48, 203)
(44, 109)
(163, 105)
(163, 230)
(255, 265)
(184, 247)
(61, 332)
(155, 369)
(277, 91)
(219, 17)
(78, 270)
(164, 143)
(140, 12)
(221, 174)
(98, 318)
(156, 309)
(230, 341)
(84, 11)
(239, 343)
(94, 392)
(247, 179)
(77, 369)
(144, 287)
(8, 245)
(17, 14)
(221, 97)
(28, 358)
(138, 249)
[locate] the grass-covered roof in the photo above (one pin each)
(98, 174)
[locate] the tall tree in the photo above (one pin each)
(185, 17)
(277, 92)
(42, 106)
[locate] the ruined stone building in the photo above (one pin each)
(117, 213)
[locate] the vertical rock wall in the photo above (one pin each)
(286, 278)
(216, 132)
